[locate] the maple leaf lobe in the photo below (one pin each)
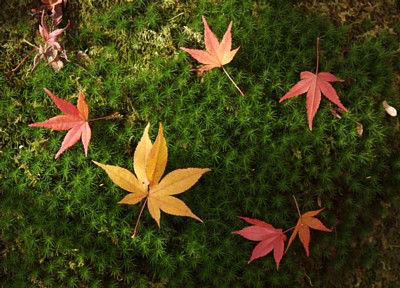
(66, 107)
(157, 159)
(123, 178)
(175, 182)
(140, 156)
(83, 108)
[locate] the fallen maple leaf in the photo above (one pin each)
(149, 165)
(271, 239)
(314, 85)
(49, 50)
(52, 37)
(217, 53)
(74, 119)
(305, 222)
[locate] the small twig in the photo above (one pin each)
(176, 16)
(23, 60)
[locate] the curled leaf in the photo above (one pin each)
(389, 109)
(360, 129)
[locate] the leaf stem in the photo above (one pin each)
(105, 117)
(140, 215)
(297, 205)
(23, 60)
(288, 229)
(316, 72)
(240, 91)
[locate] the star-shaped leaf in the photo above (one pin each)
(305, 222)
(269, 237)
(149, 165)
(74, 119)
(315, 85)
(217, 54)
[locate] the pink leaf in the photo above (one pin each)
(315, 85)
(74, 119)
(269, 237)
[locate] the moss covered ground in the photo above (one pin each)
(60, 224)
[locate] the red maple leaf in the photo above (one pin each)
(74, 119)
(315, 85)
(217, 53)
(305, 222)
(269, 237)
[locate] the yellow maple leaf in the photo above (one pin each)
(149, 166)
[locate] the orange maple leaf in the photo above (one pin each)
(149, 165)
(305, 222)
(217, 53)
(315, 85)
(75, 119)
